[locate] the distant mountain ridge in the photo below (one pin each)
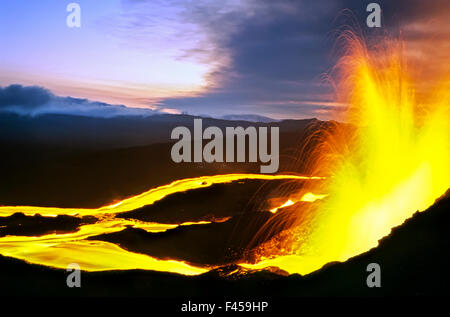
(113, 132)
(248, 117)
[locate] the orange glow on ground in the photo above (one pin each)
(59, 250)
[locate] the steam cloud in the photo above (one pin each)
(34, 100)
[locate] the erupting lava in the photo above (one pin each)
(394, 161)
(390, 162)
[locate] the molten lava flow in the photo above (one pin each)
(146, 198)
(286, 204)
(394, 163)
(58, 250)
(308, 197)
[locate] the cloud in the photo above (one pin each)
(26, 97)
(263, 56)
(278, 52)
(34, 100)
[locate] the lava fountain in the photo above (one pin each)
(389, 162)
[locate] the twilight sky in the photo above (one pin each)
(211, 57)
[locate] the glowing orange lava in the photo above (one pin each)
(394, 162)
(60, 249)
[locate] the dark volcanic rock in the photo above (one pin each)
(210, 244)
(211, 203)
(20, 225)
